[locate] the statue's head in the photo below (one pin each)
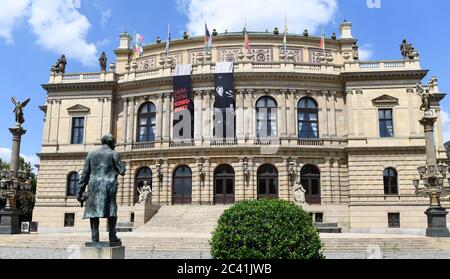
(404, 41)
(109, 140)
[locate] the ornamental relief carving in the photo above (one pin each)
(317, 56)
(262, 55)
(146, 63)
(229, 55)
(172, 59)
(257, 54)
(293, 54)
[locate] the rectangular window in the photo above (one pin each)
(386, 123)
(319, 217)
(77, 130)
(394, 220)
(69, 220)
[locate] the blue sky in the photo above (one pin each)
(33, 33)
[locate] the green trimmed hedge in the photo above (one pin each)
(266, 229)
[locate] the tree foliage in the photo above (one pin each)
(26, 203)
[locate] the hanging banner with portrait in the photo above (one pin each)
(224, 107)
(183, 107)
(224, 85)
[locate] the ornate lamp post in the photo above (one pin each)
(14, 183)
(432, 182)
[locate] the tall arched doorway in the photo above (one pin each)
(267, 182)
(182, 186)
(311, 183)
(224, 185)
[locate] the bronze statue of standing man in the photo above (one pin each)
(101, 169)
(103, 61)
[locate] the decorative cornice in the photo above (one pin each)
(409, 74)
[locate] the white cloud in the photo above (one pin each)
(10, 13)
(5, 155)
(106, 15)
(62, 29)
(260, 14)
(365, 52)
(445, 125)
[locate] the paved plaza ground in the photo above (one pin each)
(196, 246)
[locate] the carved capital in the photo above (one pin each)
(359, 91)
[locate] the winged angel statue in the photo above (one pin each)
(18, 110)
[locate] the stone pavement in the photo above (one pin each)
(195, 245)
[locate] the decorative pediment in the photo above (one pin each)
(385, 100)
(79, 109)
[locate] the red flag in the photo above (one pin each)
(247, 38)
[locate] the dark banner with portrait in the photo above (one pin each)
(224, 85)
(224, 107)
(183, 107)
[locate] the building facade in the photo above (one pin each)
(347, 130)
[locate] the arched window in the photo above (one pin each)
(182, 186)
(390, 181)
(224, 185)
(310, 176)
(147, 123)
(267, 182)
(73, 187)
(266, 118)
(308, 119)
(142, 176)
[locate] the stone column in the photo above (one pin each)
(326, 184)
(251, 111)
(48, 122)
(411, 112)
(428, 123)
(240, 118)
(283, 179)
(198, 108)
(207, 191)
(240, 181)
(325, 125)
(361, 129)
(167, 184)
(55, 132)
(159, 117)
(196, 183)
(124, 120)
(283, 113)
(128, 196)
(333, 116)
(130, 125)
(101, 103)
(166, 116)
(207, 120)
(350, 121)
(292, 116)
(17, 134)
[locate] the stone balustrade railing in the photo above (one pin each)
(359, 66)
(275, 142)
(239, 67)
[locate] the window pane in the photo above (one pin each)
(187, 188)
(315, 187)
(230, 187)
(262, 187)
(272, 187)
(219, 187)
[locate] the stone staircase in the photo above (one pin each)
(184, 220)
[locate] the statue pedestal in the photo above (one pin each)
(437, 222)
(9, 222)
(103, 251)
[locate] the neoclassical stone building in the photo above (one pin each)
(347, 130)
